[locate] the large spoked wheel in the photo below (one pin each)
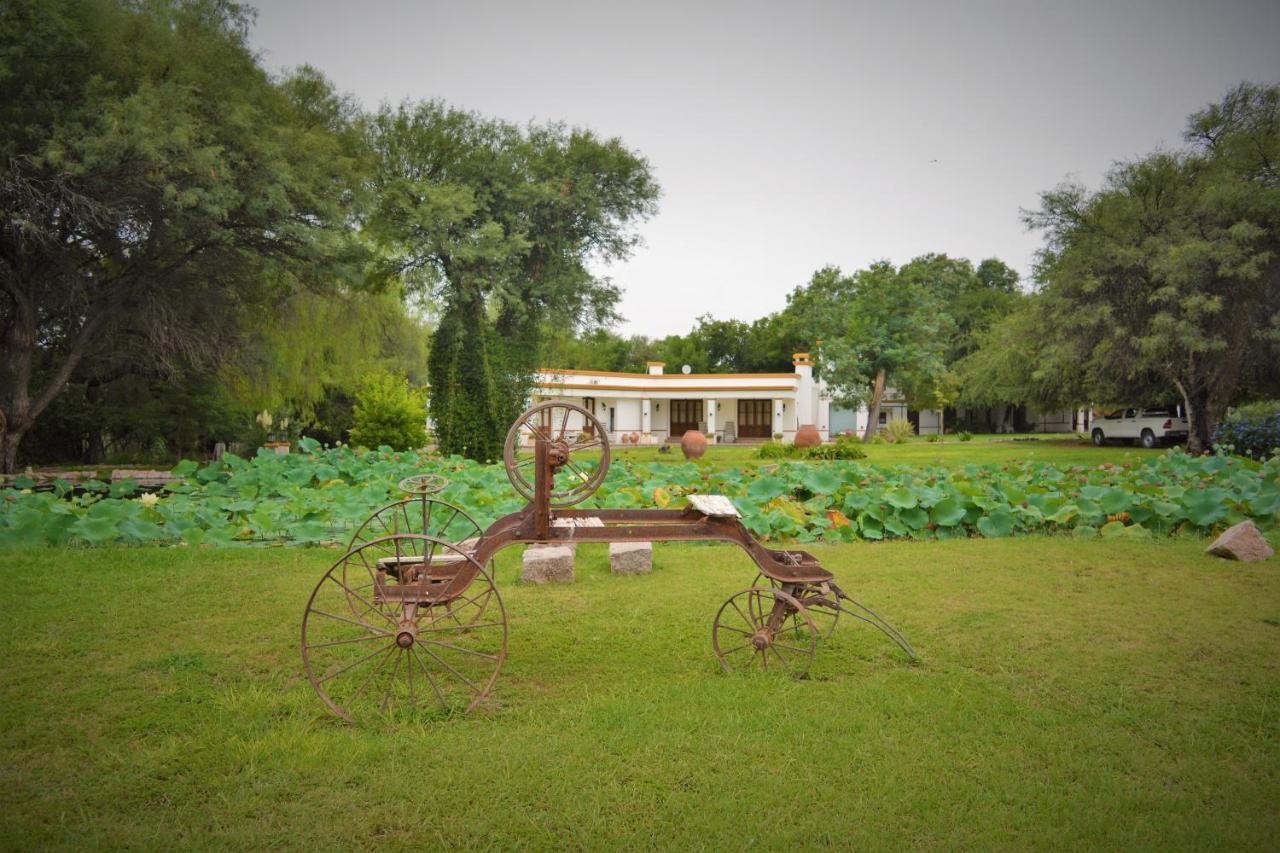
(820, 602)
(421, 516)
(573, 435)
(433, 632)
(423, 484)
(754, 630)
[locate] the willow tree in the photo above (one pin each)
(154, 182)
(500, 224)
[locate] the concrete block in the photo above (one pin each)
(631, 558)
(548, 564)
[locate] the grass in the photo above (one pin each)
(983, 449)
(1069, 695)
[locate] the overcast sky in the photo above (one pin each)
(790, 135)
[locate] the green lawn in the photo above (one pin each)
(983, 449)
(1070, 694)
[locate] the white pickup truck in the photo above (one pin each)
(1152, 427)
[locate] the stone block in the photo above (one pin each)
(631, 558)
(1242, 541)
(548, 564)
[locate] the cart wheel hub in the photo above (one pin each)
(407, 633)
(762, 639)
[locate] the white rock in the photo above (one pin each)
(714, 505)
(631, 558)
(548, 564)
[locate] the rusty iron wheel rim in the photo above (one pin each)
(443, 652)
(741, 623)
(422, 516)
(423, 484)
(551, 421)
(825, 617)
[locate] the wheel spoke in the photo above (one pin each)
(369, 678)
(391, 682)
(461, 649)
(334, 675)
(366, 638)
(350, 622)
(427, 673)
(743, 615)
(447, 666)
(361, 598)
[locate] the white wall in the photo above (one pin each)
(628, 416)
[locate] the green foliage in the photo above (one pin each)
(1167, 280)
(965, 436)
(776, 450)
(197, 190)
(933, 438)
(502, 225)
(845, 447)
(898, 430)
(318, 496)
(390, 413)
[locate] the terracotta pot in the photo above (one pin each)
(808, 436)
(693, 444)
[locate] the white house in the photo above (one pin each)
(657, 406)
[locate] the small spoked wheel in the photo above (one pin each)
(423, 484)
(573, 437)
(432, 632)
(818, 599)
(422, 516)
(754, 629)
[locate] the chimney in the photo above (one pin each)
(655, 367)
(804, 364)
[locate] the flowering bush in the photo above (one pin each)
(1252, 430)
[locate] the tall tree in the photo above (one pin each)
(874, 325)
(153, 182)
(500, 224)
(1172, 269)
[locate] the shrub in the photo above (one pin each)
(899, 430)
(933, 438)
(845, 447)
(776, 450)
(389, 412)
(1252, 430)
(966, 436)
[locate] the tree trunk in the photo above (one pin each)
(9, 451)
(873, 410)
(1199, 419)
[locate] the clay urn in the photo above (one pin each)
(808, 436)
(693, 444)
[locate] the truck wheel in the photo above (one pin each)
(1148, 439)
(1098, 438)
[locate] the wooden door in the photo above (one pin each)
(755, 418)
(685, 415)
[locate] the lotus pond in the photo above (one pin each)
(318, 497)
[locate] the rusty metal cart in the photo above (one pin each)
(411, 614)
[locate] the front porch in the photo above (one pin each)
(647, 421)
